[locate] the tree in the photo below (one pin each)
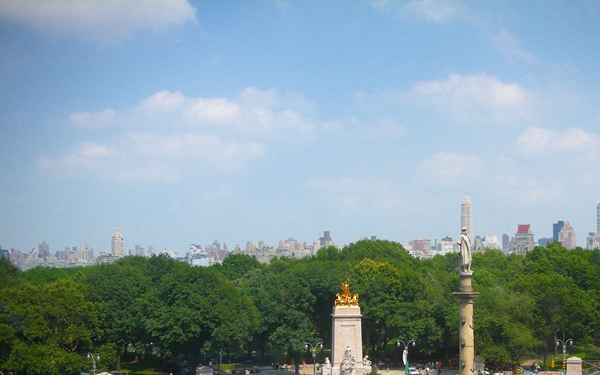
(285, 303)
(195, 311)
(237, 265)
(121, 288)
(505, 322)
(53, 324)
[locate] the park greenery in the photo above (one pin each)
(180, 315)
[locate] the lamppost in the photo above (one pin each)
(314, 353)
(97, 358)
(564, 346)
(405, 353)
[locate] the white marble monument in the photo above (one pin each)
(347, 356)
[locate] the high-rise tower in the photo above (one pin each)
(466, 220)
(598, 220)
(556, 227)
(116, 244)
(568, 236)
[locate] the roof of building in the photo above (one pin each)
(523, 228)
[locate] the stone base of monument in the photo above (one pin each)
(357, 371)
(347, 358)
(574, 366)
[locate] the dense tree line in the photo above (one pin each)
(51, 318)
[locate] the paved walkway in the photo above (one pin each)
(308, 370)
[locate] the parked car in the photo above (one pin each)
(413, 371)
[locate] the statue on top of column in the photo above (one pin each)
(464, 250)
(346, 299)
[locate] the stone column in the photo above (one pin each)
(466, 346)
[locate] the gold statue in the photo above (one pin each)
(346, 299)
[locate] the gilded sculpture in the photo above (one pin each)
(346, 298)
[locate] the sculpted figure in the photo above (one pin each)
(464, 250)
(348, 365)
(366, 361)
(346, 299)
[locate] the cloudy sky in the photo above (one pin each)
(184, 122)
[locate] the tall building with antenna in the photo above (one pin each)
(466, 220)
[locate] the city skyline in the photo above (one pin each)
(187, 121)
(117, 248)
(197, 255)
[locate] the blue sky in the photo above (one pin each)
(185, 122)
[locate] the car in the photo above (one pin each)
(413, 371)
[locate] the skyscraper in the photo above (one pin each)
(43, 250)
(598, 220)
(326, 239)
(116, 244)
(466, 220)
(567, 236)
(505, 242)
(556, 227)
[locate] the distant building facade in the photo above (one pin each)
(523, 239)
(592, 241)
(116, 244)
(491, 242)
(447, 245)
(477, 245)
(568, 236)
(598, 219)
(505, 242)
(543, 241)
(556, 227)
(43, 250)
(466, 215)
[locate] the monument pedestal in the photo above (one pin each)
(347, 334)
(574, 366)
(466, 330)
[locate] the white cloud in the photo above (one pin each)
(432, 10)
(168, 135)
(103, 21)
(218, 110)
(447, 168)
(87, 120)
(151, 156)
(163, 102)
(429, 10)
(471, 98)
(538, 141)
(509, 46)
(254, 112)
(272, 98)
(86, 156)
